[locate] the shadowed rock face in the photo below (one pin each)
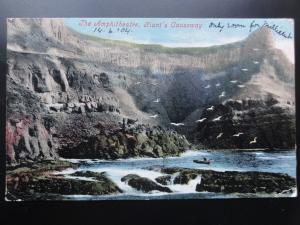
(243, 122)
(27, 139)
(68, 83)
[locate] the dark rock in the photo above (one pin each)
(38, 168)
(113, 144)
(101, 177)
(184, 177)
(38, 80)
(104, 80)
(273, 126)
(29, 139)
(143, 184)
(60, 185)
(38, 179)
(164, 180)
(247, 182)
(234, 181)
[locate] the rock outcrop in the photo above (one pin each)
(27, 139)
(143, 184)
(247, 124)
(39, 181)
(233, 181)
(164, 180)
(137, 141)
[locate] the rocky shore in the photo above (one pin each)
(230, 181)
(40, 181)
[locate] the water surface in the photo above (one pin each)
(222, 160)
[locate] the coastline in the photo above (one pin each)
(61, 179)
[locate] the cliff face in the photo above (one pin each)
(28, 133)
(247, 124)
(51, 36)
(67, 83)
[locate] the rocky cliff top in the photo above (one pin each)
(262, 39)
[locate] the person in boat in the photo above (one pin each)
(204, 159)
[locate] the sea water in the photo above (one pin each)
(221, 160)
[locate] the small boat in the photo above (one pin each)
(201, 161)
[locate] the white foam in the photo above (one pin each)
(115, 170)
(90, 161)
(258, 153)
(79, 178)
(194, 153)
(186, 188)
(116, 174)
(65, 172)
(266, 157)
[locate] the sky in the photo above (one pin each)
(185, 32)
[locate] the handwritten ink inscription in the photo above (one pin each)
(127, 27)
(219, 26)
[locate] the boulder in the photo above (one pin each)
(184, 177)
(164, 180)
(143, 184)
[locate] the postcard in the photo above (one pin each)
(150, 108)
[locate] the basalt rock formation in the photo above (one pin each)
(61, 84)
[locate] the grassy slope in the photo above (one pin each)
(156, 48)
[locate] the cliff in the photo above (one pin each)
(62, 84)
